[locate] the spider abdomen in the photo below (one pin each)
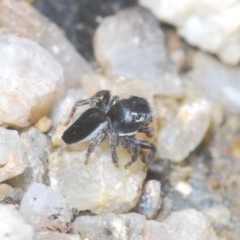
(86, 126)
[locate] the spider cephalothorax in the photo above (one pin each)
(120, 119)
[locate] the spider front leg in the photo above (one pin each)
(95, 100)
(135, 145)
(128, 143)
(147, 130)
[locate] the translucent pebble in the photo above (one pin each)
(12, 162)
(45, 209)
(136, 50)
(183, 133)
(98, 186)
(30, 79)
(28, 22)
(12, 225)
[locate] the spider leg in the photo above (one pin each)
(147, 130)
(101, 136)
(113, 100)
(95, 100)
(113, 144)
(135, 145)
(127, 142)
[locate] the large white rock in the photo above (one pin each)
(13, 225)
(28, 22)
(98, 186)
(12, 162)
(136, 50)
(45, 209)
(29, 81)
(213, 26)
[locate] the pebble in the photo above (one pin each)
(47, 235)
(43, 124)
(127, 226)
(212, 26)
(187, 224)
(10, 195)
(150, 201)
(183, 133)
(13, 225)
(62, 108)
(11, 155)
(30, 79)
(216, 81)
(98, 186)
(137, 50)
(184, 188)
(121, 87)
(45, 209)
(180, 225)
(28, 22)
(218, 214)
(35, 147)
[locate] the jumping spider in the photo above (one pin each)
(120, 119)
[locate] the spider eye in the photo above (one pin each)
(137, 117)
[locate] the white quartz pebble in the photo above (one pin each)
(210, 25)
(183, 133)
(29, 81)
(99, 186)
(45, 209)
(12, 162)
(28, 22)
(13, 226)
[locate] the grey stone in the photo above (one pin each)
(136, 50)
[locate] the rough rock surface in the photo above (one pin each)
(10, 195)
(121, 87)
(45, 208)
(182, 225)
(13, 225)
(136, 50)
(210, 25)
(98, 186)
(183, 133)
(216, 81)
(150, 201)
(35, 147)
(28, 86)
(28, 22)
(11, 155)
(48, 235)
(110, 226)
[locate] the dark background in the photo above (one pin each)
(80, 18)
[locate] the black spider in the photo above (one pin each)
(121, 119)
